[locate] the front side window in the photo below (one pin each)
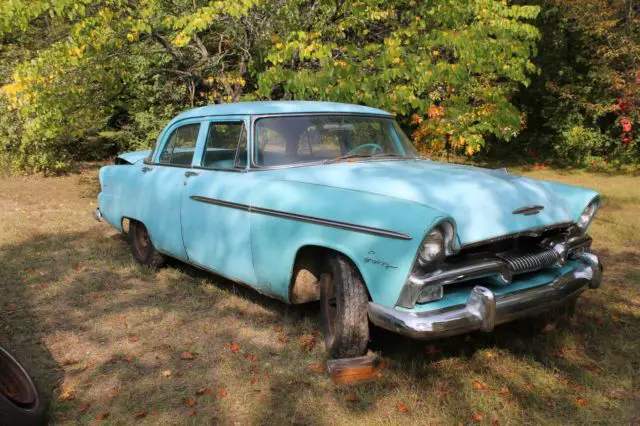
(226, 146)
(181, 145)
(309, 138)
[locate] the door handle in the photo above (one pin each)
(146, 169)
(190, 173)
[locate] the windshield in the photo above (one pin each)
(315, 138)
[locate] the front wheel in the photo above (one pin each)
(343, 299)
(141, 246)
(20, 401)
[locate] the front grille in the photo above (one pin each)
(521, 263)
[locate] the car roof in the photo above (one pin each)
(278, 107)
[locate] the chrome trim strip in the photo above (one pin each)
(308, 219)
(528, 210)
(517, 234)
(499, 270)
(97, 215)
(484, 309)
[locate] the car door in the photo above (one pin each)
(163, 183)
(215, 208)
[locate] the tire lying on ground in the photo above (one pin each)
(20, 402)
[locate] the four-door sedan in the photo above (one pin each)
(308, 201)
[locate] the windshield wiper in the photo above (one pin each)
(345, 157)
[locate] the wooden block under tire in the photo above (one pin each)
(355, 370)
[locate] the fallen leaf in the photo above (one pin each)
(317, 368)
(67, 396)
(352, 397)
(505, 391)
(192, 413)
(187, 356)
(476, 417)
(103, 415)
(190, 402)
(203, 391)
(223, 393)
(141, 414)
(618, 394)
(614, 318)
(278, 329)
(444, 391)
(166, 373)
(84, 407)
(478, 385)
(234, 347)
(581, 401)
(402, 408)
(252, 357)
(308, 342)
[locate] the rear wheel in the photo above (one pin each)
(20, 401)
(141, 246)
(343, 299)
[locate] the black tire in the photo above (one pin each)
(343, 300)
(141, 246)
(20, 401)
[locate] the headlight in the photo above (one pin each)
(432, 247)
(587, 215)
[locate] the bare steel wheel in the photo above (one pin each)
(343, 302)
(20, 402)
(141, 246)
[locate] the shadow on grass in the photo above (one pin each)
(81, 288)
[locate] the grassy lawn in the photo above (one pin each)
(107, 338)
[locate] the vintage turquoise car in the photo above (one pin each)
(308, 201)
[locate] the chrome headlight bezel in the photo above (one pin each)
(587, 215)
(438, 244)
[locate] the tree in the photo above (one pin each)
(449, 67)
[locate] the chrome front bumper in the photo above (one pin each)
(484, 309)
(97, 215)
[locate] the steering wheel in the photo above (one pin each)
(374, 147)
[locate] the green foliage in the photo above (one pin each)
(86, 79)
(577, 144)
(590, 80)
(451, 65)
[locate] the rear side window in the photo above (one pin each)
(226, 146)
(181, 145)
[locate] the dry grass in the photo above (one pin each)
(97, 330)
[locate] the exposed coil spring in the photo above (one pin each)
(530, 262)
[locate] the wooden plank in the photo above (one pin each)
(355, 370)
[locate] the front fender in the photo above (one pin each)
(383, 261)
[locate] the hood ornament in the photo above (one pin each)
(528, 210)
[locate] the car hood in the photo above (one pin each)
(481, 201)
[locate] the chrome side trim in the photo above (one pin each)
(500, 270)
(302, 218)
(97, 215)
(484, 309)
